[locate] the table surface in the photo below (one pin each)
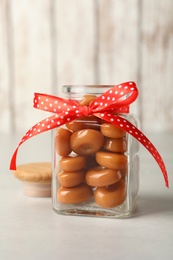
(30, 229)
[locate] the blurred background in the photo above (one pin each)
(45, 44)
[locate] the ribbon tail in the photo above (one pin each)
(136, 133)
(13, 159)
(43, 126)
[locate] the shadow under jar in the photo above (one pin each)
(95, 163)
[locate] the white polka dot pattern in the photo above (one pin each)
(131, 129)
(117, 99)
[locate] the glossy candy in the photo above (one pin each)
(71, 179)
(100, 176)
(72, 164)
(111, 160)
(76, 194)
(112, 131)
(111, 196)
(117, 145)
(86, 142)
(62, 142)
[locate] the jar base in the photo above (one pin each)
(94, 211)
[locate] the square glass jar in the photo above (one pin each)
(95, 164)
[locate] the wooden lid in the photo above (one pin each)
(37, 172)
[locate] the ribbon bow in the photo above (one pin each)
(107, 106)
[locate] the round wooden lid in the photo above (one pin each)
(37, 172)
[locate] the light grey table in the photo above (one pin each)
(30, 229)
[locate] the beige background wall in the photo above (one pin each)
(47, 43)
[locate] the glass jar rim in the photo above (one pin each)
(79, 90)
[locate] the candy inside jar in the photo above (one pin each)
(92, 167)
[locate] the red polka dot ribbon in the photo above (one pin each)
(107, 106)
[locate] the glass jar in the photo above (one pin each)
(95, 163)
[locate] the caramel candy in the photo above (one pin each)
(100, 176)
(62, 142)
(84, 122)
(71, 179)
(76, 194)
(117, 145)
(111, 160)
(87, 99)
(72, 164)
(111, 196)
(112, 131)
(86, 142)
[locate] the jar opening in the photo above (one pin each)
(75, 91)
